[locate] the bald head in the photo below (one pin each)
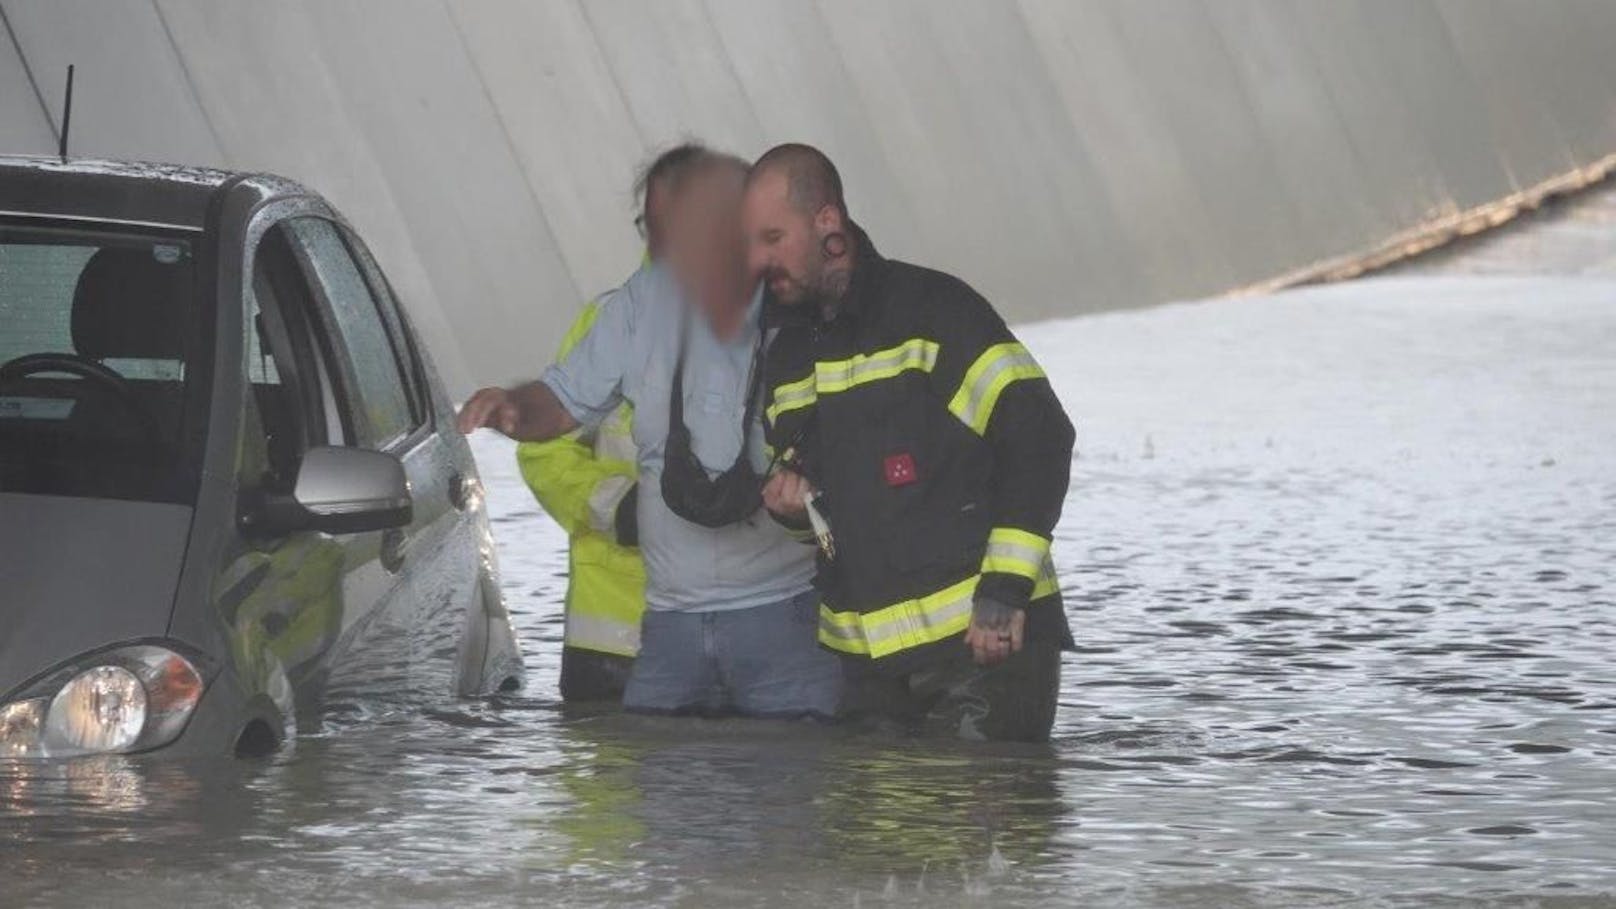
(798, 236)
(811, 179)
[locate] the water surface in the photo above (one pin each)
(1342, 569)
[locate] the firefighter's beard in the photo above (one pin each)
(822, 294)
(819, 285)
(829, 286)
(807, 286)
(822, 286)
(786, 287)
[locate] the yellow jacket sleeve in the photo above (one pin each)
(565, 473)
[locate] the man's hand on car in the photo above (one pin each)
(488, 408)
(526, 413)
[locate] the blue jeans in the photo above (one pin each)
(764, 661)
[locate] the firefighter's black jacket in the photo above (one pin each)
(941, 451)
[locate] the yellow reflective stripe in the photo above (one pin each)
(791, 396)
(839, 375)
(912, 623)
(1017, 552)
(993, 371)
(832, 376)
(841, 631)
(900, 626)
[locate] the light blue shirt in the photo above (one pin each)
(629, 355)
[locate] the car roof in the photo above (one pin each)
(129, 192)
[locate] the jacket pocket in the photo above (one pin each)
(936, 534)
(926, 512)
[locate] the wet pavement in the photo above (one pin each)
(1342, 568)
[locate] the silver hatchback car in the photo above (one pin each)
(232, 499)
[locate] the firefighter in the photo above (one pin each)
(927, 447)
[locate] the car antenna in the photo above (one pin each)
(67, 116)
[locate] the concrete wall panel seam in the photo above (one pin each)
(505, 132)
(33, 82)
(190, 83)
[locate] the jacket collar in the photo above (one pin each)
(863, 290)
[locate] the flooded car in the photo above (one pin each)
(232, 500)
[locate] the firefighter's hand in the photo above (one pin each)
(996, 631)
(786, 495)
(489, 408)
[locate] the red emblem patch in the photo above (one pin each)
(900, 470)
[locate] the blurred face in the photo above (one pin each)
(782, 243)
(703, 244)
(653, 220)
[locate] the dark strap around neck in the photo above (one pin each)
(754, 382)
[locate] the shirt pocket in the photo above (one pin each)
(715, 393)
(713, 412)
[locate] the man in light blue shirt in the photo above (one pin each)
(731, 619)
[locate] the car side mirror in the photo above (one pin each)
(340, 490)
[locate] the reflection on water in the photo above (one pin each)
(1341, 570)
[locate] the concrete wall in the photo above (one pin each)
(1063, 156)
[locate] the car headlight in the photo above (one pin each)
(99, 710)
(22, 724)
(129, 699)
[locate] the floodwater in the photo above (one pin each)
(1342, 568)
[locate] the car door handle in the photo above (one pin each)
(393, 550)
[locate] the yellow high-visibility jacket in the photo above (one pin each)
(580, 479)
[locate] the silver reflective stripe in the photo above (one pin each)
(789, 397)
(921, 625)
(605, 635)
(1000, 549)
(614, 439)
(604, 500)
(840, 375)
(973, 404)
(1014, 558)
(910, 623)
(829, 626)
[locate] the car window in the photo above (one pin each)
(37, 281)
(378, 382)
(397, 326)
(292, 399)
(261, 368)
(96, 329)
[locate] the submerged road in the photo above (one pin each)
(1339, 564)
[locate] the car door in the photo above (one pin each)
(306, 608)
(381, 378)
(457, 587)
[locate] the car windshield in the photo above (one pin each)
(100, 347)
